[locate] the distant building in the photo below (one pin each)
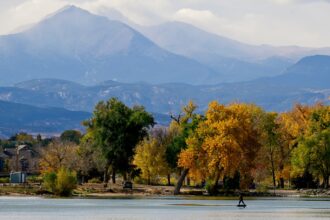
(21, 158)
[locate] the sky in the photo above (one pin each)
(273, 22)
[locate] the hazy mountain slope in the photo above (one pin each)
(311, 72)
(235, 61)
(176, 36)
(16, 117)
(73, 44)
(169, 98)
(307, 82)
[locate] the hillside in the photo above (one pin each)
(16, 117)
(312, 72)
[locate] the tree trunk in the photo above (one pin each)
(105, 177)
(180, 181)
(216, 183)
(169, 179)
(113, 176)
(281, 182)
(326, 181)
(273, 174)
(188, 181)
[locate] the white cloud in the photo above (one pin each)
(282, 1)
(26, 12)
(278, 22)
(204, 18)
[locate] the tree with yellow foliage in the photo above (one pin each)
(57, 155)
(150, 158)
(225, 142)
(292, 126)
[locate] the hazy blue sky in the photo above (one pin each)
(276, 22)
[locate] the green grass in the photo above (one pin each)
(18, 189)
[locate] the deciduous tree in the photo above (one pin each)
(150, 158)
(313, 151)
(225, 142)
(116, 129)
(58, 154)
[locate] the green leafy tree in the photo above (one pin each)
(71, 136)
(313, 151)
(116, 129)
(91, 160)
(270, 151)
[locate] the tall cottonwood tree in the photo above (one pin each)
(270, 152)
(313, 151)
(116, 129)
(181, 127)
(292, 126)
(227, 141)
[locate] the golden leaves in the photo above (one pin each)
(57, 155)
(225, 142)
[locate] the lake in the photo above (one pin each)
(161, 208)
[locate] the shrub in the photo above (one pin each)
(66, 182)
(60, 183)
(4, 180)
(49, 181)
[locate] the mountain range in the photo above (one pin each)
(307, 82)
(73, 44)
(76, 45)
(54, 72)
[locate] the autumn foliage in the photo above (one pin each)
(234, 142)
(225, 142)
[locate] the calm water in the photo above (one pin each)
(169, 209)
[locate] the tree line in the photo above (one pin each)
(234, 146)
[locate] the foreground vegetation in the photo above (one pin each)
(231, 147)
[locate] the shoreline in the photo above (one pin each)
(284, 194)
(140, 191)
